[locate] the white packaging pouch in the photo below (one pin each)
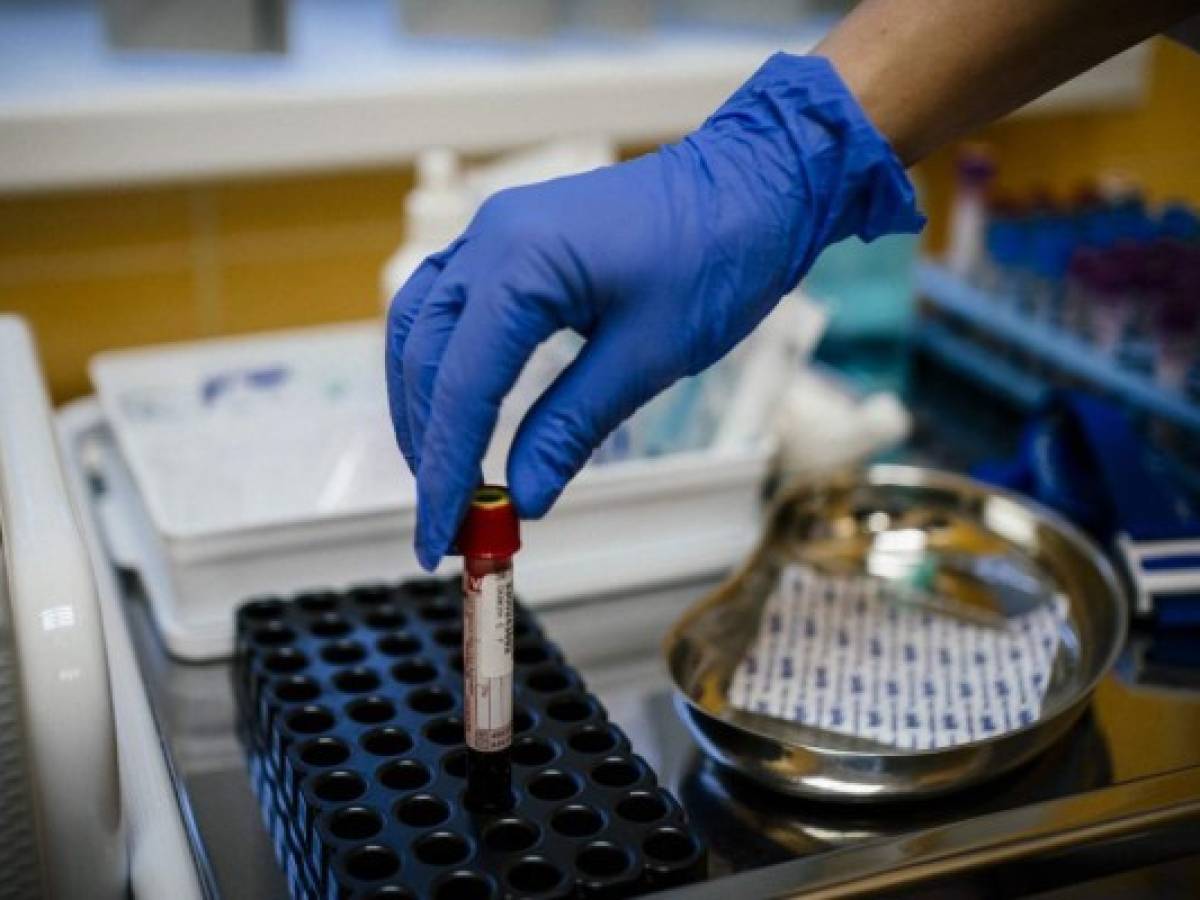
(842, 654)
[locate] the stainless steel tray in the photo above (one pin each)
(958, 515)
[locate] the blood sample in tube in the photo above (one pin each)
(489, 538)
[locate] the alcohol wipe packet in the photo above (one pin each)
(843, 654)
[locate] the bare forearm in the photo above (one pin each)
(927, 71)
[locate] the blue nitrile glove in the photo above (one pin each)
(663, 263)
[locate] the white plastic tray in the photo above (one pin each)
(203, 535)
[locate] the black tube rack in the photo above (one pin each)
(349, 707)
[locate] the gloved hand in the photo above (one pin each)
(662, 263)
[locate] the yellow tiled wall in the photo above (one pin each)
(99, 269)
(93, 270)
(1158, 144)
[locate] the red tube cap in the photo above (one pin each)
(490, 530)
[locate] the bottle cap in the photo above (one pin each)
(1085, 197)
(1083, 266)
(975, 165)
(1111, 276)
(1004, 206)
(490, 530)
(1179, 221)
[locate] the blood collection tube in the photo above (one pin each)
(488, 539)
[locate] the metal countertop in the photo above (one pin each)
(1127, 776)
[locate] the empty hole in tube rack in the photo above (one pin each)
(548, 681)
(522, 720)
(399, 644)
(438, 612)
(372, 863)
(356, 681)
(285, 661)
(310, 720)
(414, 671)
(324, 751)
(264, 609)
(535, 876)
(602, 860)
(339, 786)
(356, 823)
(344, 652)
(530, 654)
(669, 845)
(448, 731)
(317, 601)
(387, 741)
(455, 764)
(511, 836)
(577, 820)
(371, 710)
(532, 751)
(616, 772)
(464, 886)
(385, 619)
(553, 785)
(593, 739)
(273, 635)
(297, 689)
(330, 625)
(431, 700)
(404, 775)
(642, 807)
(442, 848)
(371, 594)
(422, 811)
(570, 709)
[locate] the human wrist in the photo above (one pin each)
(838, 171)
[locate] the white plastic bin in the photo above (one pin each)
(208, 503)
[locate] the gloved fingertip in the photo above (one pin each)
(430, 543)
(442, 498)
(532, 491)
(427, 554)
(409, 460)
(426, 542)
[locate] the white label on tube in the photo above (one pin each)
(488, 617)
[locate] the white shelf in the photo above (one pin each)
(352, 92)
